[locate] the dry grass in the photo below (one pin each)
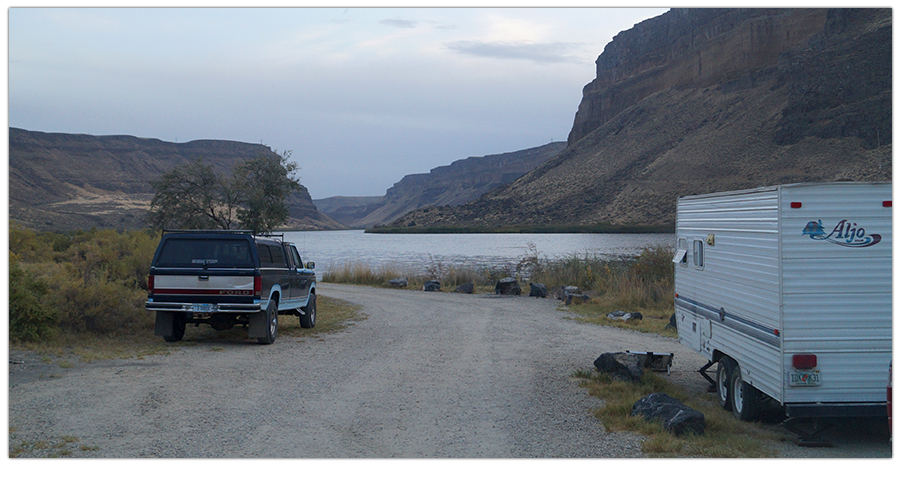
(724, 437)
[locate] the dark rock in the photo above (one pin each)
(538, 290)
(577, 299)
(508, 286)
(563, 292)
(621, 366)
(399, 282)
(675, 416)
(432, 286)
(465, 288)
(672, 324)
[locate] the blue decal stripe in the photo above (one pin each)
(742, 325)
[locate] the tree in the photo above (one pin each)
(265, 182)
(193, 196)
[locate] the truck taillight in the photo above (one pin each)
(804, 361)
(151, 283)
(257, 285)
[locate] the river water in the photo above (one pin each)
(417, 251)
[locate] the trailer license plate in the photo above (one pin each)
(805, 378)
(202, 308)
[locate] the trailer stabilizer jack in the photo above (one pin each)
(712, 382)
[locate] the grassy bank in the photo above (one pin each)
(82, 294)
(724, 436)
(597, 228)
(643, 284)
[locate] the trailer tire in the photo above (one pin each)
(724, 371)
(745, 399)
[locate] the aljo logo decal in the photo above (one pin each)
(845, 234)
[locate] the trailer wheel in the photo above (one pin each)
(724, 372)
(745, 399)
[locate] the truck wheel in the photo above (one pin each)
(308, 318)
(174, 326)
(744, 398)
(271, 324)
(724, 372)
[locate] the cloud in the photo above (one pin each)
(544, 53)
(398, 23)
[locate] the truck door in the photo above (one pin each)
(300, 276)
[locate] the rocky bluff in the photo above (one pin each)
(703, 100)
(75, 181)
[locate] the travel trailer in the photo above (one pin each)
(787, 290)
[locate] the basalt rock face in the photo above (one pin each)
(460, 182)
(705, 100)
(61, 182)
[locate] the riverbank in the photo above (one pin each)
(597, 229)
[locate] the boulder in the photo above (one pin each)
(538, 290)
(675, 416)
(577, 299)
(465, 288)
(672, 324)
(398, 282)
(564, 291)
(621, 366)
(508, 286)
(624, 316)
(432, 286)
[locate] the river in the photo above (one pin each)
(416, 251)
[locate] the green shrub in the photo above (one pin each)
(30, 320)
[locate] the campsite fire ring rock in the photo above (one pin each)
(508, 286)
(538, 290)
(624, 316)
(621, 365)
(562, 293)
(465, 288)
(432, 286)
(398, 282)
(675, 416)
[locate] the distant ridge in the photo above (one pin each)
(62, 182)
(460, 182)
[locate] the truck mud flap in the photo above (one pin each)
(258, 326)
(164, 322)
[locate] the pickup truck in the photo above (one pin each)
(228, 278)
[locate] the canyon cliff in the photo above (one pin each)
(705, 100)
(60, 182)
(460, 182)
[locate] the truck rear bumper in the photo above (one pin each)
(826, 410)
(203, 308)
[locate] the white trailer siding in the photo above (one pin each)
(837, 292)
(738, 234)
(791, 270)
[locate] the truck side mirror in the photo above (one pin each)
(310, 265)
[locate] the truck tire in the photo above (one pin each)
(271, 324)
(308, 318)
(170, 326)
(724, 372)
(745, 399)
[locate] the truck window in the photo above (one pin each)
(698, 253)
(271, 255)
(224, 253)
(295, 255)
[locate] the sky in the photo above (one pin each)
(359, 96)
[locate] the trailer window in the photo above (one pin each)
(698, 253)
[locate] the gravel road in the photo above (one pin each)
(426, 375)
